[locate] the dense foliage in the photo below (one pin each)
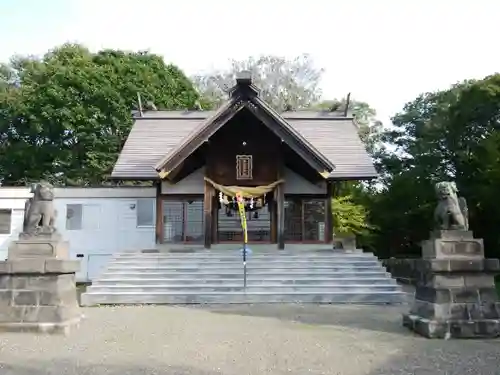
(65, 117)
(453, 135)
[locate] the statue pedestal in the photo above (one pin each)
(38, 288)
(49, 246)
(455, 292)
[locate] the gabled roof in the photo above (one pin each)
(330, 139)
(245, 95)
(159, 133)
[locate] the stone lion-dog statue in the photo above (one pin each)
(39, 211)
(451, 212)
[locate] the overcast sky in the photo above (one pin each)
(385, 52)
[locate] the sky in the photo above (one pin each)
(384, 52)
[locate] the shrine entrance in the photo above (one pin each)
(245, 149)
(258, 217)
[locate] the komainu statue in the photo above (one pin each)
(451, 212)
(39, 214)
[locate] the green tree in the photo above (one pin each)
(451, 134)
(65, 117)
(409, 165)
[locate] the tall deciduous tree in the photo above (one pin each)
(285, 84)
(64, 117)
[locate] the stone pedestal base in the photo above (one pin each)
(38, 294)
(455, 298)
(452, 244)
(39, 247)
(458, 329)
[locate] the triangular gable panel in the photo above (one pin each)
(243, 96)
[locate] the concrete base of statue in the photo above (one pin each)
(37, 286)
(455, 293)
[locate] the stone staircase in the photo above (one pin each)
(207, 277)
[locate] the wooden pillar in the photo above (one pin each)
(159, 224)
(208, 212)
(329, 212)
(280, 215)
(215, 218)
(273, 219)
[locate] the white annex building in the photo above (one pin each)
(97, 222)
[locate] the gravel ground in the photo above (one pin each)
(244, 340)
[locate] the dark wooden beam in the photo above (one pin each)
(274, 219)
(279, 197)
(159, 225)
(280, 216)
(215, 218)
(329, 212)
(208, 212)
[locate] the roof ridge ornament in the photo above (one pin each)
(244, 85)
(244, 78)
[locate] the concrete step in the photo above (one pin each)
(238, 273)
(238, 255)
(250, 268)
(110, 298)
(251, 281)
(217, 277)
(250, 263)
(238, 287)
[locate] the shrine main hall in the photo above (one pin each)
(287, 165)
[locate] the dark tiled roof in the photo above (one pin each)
(157, 133)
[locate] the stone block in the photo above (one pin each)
(11, 314)
(433, 295)
(5, 282)
(461, 329)
(5, 267)
(61, 266)
(48, 314)
(22, 266)
(445, 281)
(452, 234)
(440, 248)
(38, 248)
(488, 294)
(464, 295)
(5, 298)
(479, 280)
(25, 297)
(60, 298)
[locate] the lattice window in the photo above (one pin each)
(244, 166)
(304, 220)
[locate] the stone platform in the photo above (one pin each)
(455, 291)
(37, 288)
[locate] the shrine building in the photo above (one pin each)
(285, 164)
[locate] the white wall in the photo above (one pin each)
(193, 184)
(107, 224)
(296, 184)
